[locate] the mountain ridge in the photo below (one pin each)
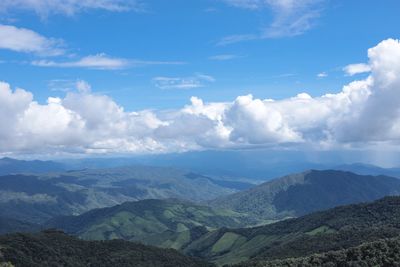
(301, 193)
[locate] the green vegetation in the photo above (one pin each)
(334, 229)
(299, 194)
(167, 223)
(53, 248)
(385, 252)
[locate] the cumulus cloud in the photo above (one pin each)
(191, 82)
(322, 74)
(28, 41)
(364, 113)
(69, 7)
(358, 68)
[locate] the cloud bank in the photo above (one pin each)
(364, 113)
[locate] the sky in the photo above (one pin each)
(153, 76)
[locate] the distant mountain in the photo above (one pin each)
(254, 165)
(368, 169)
(338, 228)
(167, 223)
(298, 194)
(52, 248)
(37, 198)
(14, 166)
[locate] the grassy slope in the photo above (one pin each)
(333, 229)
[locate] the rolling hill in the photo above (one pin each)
(52, 248)
(168, 223)
(38, 198)
(338, 228)
(303, 193)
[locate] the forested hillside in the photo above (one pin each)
(52, 248)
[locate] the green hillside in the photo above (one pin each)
(52, 248)
(303, 193)
(166, 223)
(334, 229)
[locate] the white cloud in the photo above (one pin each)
(196, 81)
(366, 113)
(101, 61)
(68, 7)
(248, 4)
(223, 57)
(28, 41)
(237, 38)
(83, 87)
(291, 18)
(322, 75)
(358, 68)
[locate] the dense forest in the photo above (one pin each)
(54, 248)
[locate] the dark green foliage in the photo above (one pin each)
(53, 248)
(299, 194)
(383, 253)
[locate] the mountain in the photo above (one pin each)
(298, 194)
(52, 248)
(338, 228)
(168, 223)
(14, 166)
(38, 198)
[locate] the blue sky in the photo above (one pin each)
(188, 32)
(146, 76)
